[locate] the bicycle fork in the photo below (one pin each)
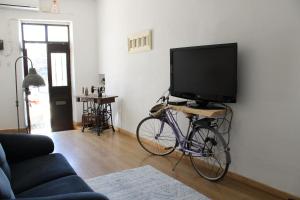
(160, 131)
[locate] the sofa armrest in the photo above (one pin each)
(70, 196)
(20, 147)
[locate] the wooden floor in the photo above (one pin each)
(92, 156)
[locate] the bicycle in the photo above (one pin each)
(160, 134)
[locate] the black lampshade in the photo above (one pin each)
(33, 79)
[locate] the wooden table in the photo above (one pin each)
(97, 112)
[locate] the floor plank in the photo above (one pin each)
(93, 155)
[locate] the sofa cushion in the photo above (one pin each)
(5, 188)
(65, 185)
(3, 163)
(19, 147)
(30, 173)
(71, 196)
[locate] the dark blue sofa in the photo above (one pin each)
(30, 171)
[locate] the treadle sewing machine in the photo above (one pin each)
(97, 112)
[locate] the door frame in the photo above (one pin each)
(25, 61)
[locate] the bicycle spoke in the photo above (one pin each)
(212, 165)
(156, 136)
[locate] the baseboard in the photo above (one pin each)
(77, 125)
(239, 178)
(13, 130)
(261, 186)
(123, 131)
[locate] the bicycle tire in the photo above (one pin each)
(197, 162)
(147, 144)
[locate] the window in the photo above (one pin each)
(34, 33)
(58, 34)
(45, 33)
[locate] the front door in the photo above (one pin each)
(59, 76)
(48, 46)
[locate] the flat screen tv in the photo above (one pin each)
(205, 73)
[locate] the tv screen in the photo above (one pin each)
(205, 73)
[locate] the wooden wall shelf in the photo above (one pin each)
(212, 113)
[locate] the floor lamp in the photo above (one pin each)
(32, 79)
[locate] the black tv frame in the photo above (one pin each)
(204, 99)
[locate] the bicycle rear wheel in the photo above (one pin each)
(212, 159)
(156, 136)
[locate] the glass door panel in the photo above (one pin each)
(39, 107)
(59, 69)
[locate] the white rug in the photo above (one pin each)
(143, 183)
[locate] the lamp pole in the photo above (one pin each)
(17, 95)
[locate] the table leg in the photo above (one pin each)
(98, 119)
(111, 119)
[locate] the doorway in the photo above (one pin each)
(48, 46)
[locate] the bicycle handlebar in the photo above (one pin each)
(163, 99)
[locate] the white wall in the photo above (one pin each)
(265, 136)
(82, 15)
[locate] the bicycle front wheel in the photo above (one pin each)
(156, 136)
(211, 157)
